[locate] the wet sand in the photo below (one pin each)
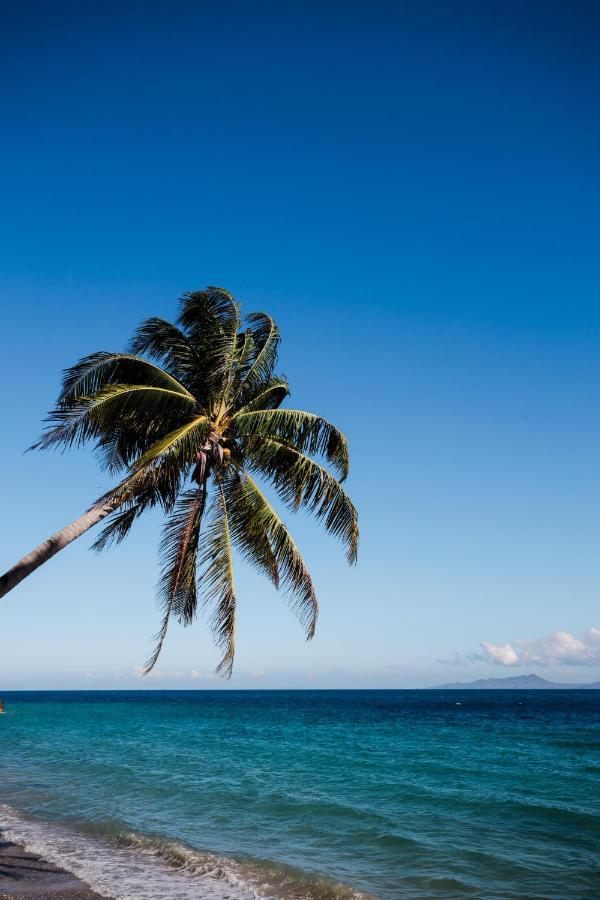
(24, 874)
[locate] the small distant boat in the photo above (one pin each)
(2, 710)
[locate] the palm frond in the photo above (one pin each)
(265, 334)
(156, 485)
(248, 533)
(244, 353)
(143, 408)
(167, 344)
(177, 586)
(180, 445)
(217, 580)
(97, 370)
(211, 320)
(205, 312)
(269, 395)
(305, 431)
(302, 482)
(117, 527)
(294, 577)
(114, 451)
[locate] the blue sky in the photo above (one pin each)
(412, 191)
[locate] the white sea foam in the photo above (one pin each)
(132, 867)
(125, 865)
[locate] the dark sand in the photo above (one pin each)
(24, 874)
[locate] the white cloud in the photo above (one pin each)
(560, 648)
(502, 654)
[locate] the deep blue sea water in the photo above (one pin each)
(309, 794)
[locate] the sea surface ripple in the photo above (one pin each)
(310, 795)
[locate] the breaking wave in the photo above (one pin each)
(125, 865)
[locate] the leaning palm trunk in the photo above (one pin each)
(46, 550)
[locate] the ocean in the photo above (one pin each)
(308, 794)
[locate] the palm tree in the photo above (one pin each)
(191, 416)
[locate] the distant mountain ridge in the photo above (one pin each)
(514, 682)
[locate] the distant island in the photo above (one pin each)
(511, 683)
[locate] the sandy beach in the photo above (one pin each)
(24, 874)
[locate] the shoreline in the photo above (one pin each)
(24, 874)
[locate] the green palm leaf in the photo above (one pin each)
(181, 445)
(294, 577)
(248, 533)
(265, 334)
(211, 319)
(177, 587)
(307, 432)
(217, 580)
(158, 484)
(302, 482)
(169, 346)
(97, 370)
(115, 407)
(269, 395)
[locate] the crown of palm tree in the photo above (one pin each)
(192, 415)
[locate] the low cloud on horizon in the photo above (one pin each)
(560, 648)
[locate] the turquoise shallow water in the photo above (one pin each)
(316, 794)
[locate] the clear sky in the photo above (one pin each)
(412, 190)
